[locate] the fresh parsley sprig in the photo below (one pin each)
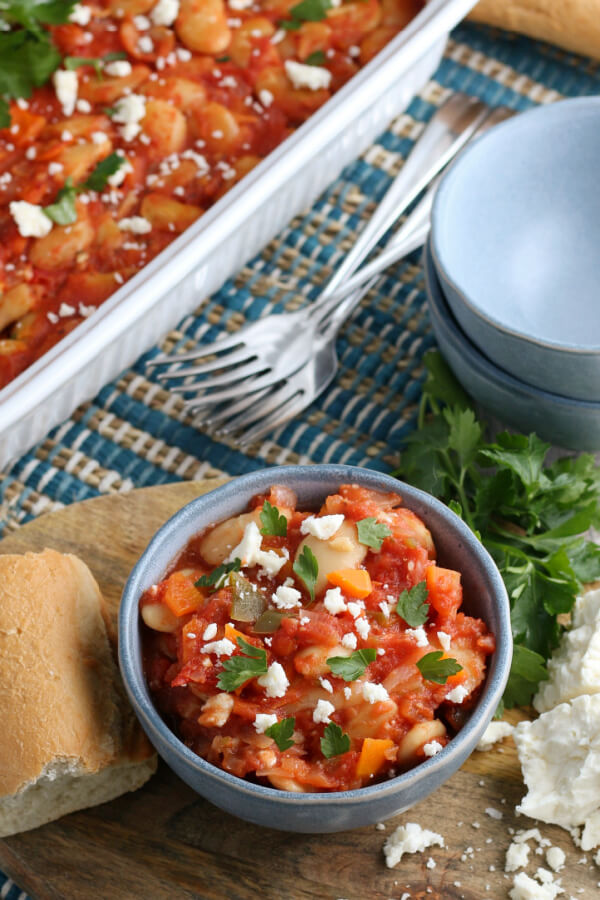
(334, 741)
(530, 514)
(216, 578)
(433, 668)
(372, 533)
(352, 667)
(63, 211)
(306, 568)
(237, 670)
(273, 522)
(306, 11)
(281, 732)
(411, 605)
(75, 62)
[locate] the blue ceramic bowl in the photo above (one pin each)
(573, 424)
(457, 547)
(515, 243)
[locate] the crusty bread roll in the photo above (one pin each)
(572, 24)
(68, 738)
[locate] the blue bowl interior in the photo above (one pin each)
(515, 225)
(485, 596)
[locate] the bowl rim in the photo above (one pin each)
(565, 107)
(491, 371)
(153, 723)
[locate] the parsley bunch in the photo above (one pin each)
(530, 515)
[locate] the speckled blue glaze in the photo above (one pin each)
(515, 243)
(574, 424)
(485, 596)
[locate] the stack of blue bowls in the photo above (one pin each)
(512, 271)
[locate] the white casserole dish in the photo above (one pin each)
(226, 237)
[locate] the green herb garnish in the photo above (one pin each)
(98, 178)
(237, 670)
(75, 62)
(352, 667)
(216, 578)
(317, 58)
(334, 741)
(273, 522)
(281, 732)
(306, 568)
(411, 605)
(63, 211)
(434, 668)
(4, 113)
(530, 515)
(372, 533)
(306, 11)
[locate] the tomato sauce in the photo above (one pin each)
(326, 653)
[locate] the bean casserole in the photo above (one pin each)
(133, 118)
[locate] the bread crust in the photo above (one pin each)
(61, 697)
(572, 24)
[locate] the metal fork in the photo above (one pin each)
(274, 408)
(264, 352)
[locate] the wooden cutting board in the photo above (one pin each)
(164, 842)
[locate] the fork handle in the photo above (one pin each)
(441, 140)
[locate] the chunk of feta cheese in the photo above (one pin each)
(444, 640)
(326, 684)
(118, 177)
(80, 15)
(355, 608)
(239, 5)
(525, 888)
(250, 552)
(275, 682)
(262, 721)
(265, 97)
(129, 111)
(118, 68)
(419, 634)
(210, 632)
(362, 626)
(65, 86)
(30, 219)
(409, 838)
(517, 856)
(135, 224)
(334, 602)
(496, 731)
(374, 693)
(323, 711)
(286, 597)
(165, 12)
(224, 647)
(458, 694)
(349, 640)
(560, 757)
(322, 527)
(574, 668)
(314, 78)
(432, 748)
(555, 857)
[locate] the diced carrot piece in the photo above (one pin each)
(181, 596)
(354, 582)
(233, 634)
(372, 756)
(444, 590)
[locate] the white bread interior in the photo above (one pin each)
(68, 738)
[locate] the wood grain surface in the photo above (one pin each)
(164, 842)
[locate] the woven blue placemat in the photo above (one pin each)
(134, 434)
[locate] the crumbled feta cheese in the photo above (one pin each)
(444, 640)
(493, 813)
(458, 694)
(183, 54)
(560, 757)
(355, 608)
(326, 684)
(334, 602)
(118, 68)
(165, 12)
(239, 5)
(80, 15)
(525, 888)
(517, 856)
(145, 44)
(65, 85)
(363, 627)
(409, 838)
(314, 78)
(65, 310)
(574, 668)
(83, 106)
(224, 647)
(210, 632)
(30, 219)
(263, 721)
(250, 553)
(118, 177)
(130, 110)
(31, 152)
(142, 23)
(349, 640)
(385, 608)
(52, 317)
(555, 857)
(275, 682)
(66, 136)
(265, 97)
(347, 692)
(286, 597)
(419, 634)
(54, 168)
(85, 311)
(278, 36)
(197, 158)
(374, 693)
(496, 731)
(321, 527)
(323, 711)
(430, 864)
(98, 137)
(135, 224)
(432, 748)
